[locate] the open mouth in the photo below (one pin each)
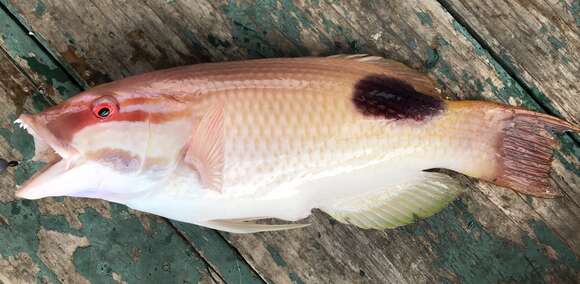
(58, 156)
(45, 143)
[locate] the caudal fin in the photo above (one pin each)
(525, 152)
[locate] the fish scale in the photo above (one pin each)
(304, 121)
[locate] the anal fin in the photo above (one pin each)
(399, 205)
(247, 226)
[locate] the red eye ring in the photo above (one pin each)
(105, 107)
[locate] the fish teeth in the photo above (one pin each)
(20, 123)
(24, 126)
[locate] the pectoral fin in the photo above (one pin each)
(244, 227)
(400, 205)
(206, 150)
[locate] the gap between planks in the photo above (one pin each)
(42, 45)
(508, 69)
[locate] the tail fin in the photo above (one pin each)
(525, 150)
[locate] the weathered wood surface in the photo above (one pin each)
(538, 42)
(39, 238)
(489, 235)
(74, 241)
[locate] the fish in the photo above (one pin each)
(228, 145)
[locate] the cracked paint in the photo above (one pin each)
(71, 208)
(18, 269)
(56, 249)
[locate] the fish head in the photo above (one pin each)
(108, 143)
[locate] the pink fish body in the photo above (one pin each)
(222, 144)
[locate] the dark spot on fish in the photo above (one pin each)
(390, 98)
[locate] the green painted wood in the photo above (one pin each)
(221, 257)
(75, 241)
(549, 62)
(489, 235)
(20, 43)
(217, 251)
(135, 248)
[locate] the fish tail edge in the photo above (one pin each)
(525, 152)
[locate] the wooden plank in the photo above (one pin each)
(45, 72)
(75, 241)
(549, 61)
(52, 82)
(489, 235)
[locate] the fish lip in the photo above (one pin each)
(44, 140)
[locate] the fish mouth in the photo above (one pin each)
(59, 156)
(45, 143)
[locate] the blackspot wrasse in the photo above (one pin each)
(224, 144)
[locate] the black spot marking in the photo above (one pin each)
(391, 98)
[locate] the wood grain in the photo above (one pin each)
(73, 240)
(538, 40)
(489, 235)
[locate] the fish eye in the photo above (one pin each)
(105, 107)
(103, 111)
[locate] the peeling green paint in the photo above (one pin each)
(295, 278)
(195, 43)
(217, 42)
(39, 101)
(474, 255)
(254, 23)
(20, 234)
(120, 245)
(573, 9)
(425, 18)
(69, 38)
(127, 227)
(514, 263)
(19, 139)
(253, 34)
(441, 42)
(446, 70)
(40, 8)
(479, 50)
(19, 44)
(509, 88)
(340, 35)
(506, 58)
(432, 58)
(412, 43)
(272, 28)
(547, 238)
(112, 240)
(570, 148)
(215, 249)
(276, 256)
(537, 101)
(556, 43)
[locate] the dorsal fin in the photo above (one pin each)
(418, 80)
